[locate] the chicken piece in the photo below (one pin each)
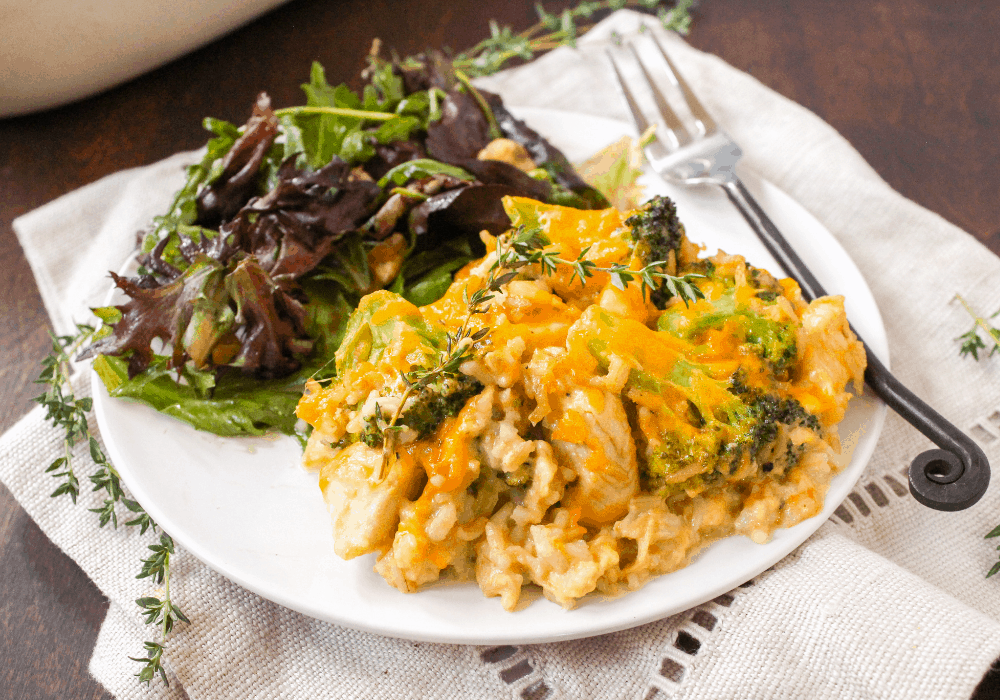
(365, 514)
(831, 357)
(591, 435)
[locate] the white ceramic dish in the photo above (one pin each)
(57, 51)
(246, 508)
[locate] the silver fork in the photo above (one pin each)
(951, 478)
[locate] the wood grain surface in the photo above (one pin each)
(912, 84)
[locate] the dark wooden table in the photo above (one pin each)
(914, 85)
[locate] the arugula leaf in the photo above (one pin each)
(424, 105)
(426, 276)
(385, 89)
(295, 140)
(184, 209)
(397, 129)
(421, 168)
(356, 147)
(433, 285)
(321, 136)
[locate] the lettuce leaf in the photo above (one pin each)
(237, 406)
(233, 404)
(615, 171)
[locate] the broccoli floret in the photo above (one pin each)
(370, 333)
(700, 267)
(770, 340)
(767, 406)
(793, 453)
(426, 408)
(371, 435)
(743, 431)
(765, 412)
(656, 232)
(773, 341)
(696, 483)
(429, 405)
(674, 452)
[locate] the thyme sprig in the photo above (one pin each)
(459, 348)
(995, 532)
(514, 250)
(972, 341)
(528, 247)
(563, 29)
(64, 410)
(157, 611)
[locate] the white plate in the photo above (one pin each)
(246, 508)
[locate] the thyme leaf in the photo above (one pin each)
(528, 247)
(64, 410)
(972, 341)
(152, 663)
(553, 30)
(69, 413)
(995, 532)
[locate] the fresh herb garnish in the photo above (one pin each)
(527, 247)
(563, 29)
(63, 409)
(419, 169)
(459, 346)
(157, 611)
(515, 250)
(995, 532)
(972, 341)
(69, 413)
(972, 344)
(250, 165)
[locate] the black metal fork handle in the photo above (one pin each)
(951, 478)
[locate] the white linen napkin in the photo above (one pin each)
(887, 600)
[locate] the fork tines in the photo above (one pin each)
(671, 129)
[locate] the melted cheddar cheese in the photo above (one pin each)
(590, 440)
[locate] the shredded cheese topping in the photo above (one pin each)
(593, 440)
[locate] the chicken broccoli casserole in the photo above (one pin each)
(586, 407)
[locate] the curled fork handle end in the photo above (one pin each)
(951, 478)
